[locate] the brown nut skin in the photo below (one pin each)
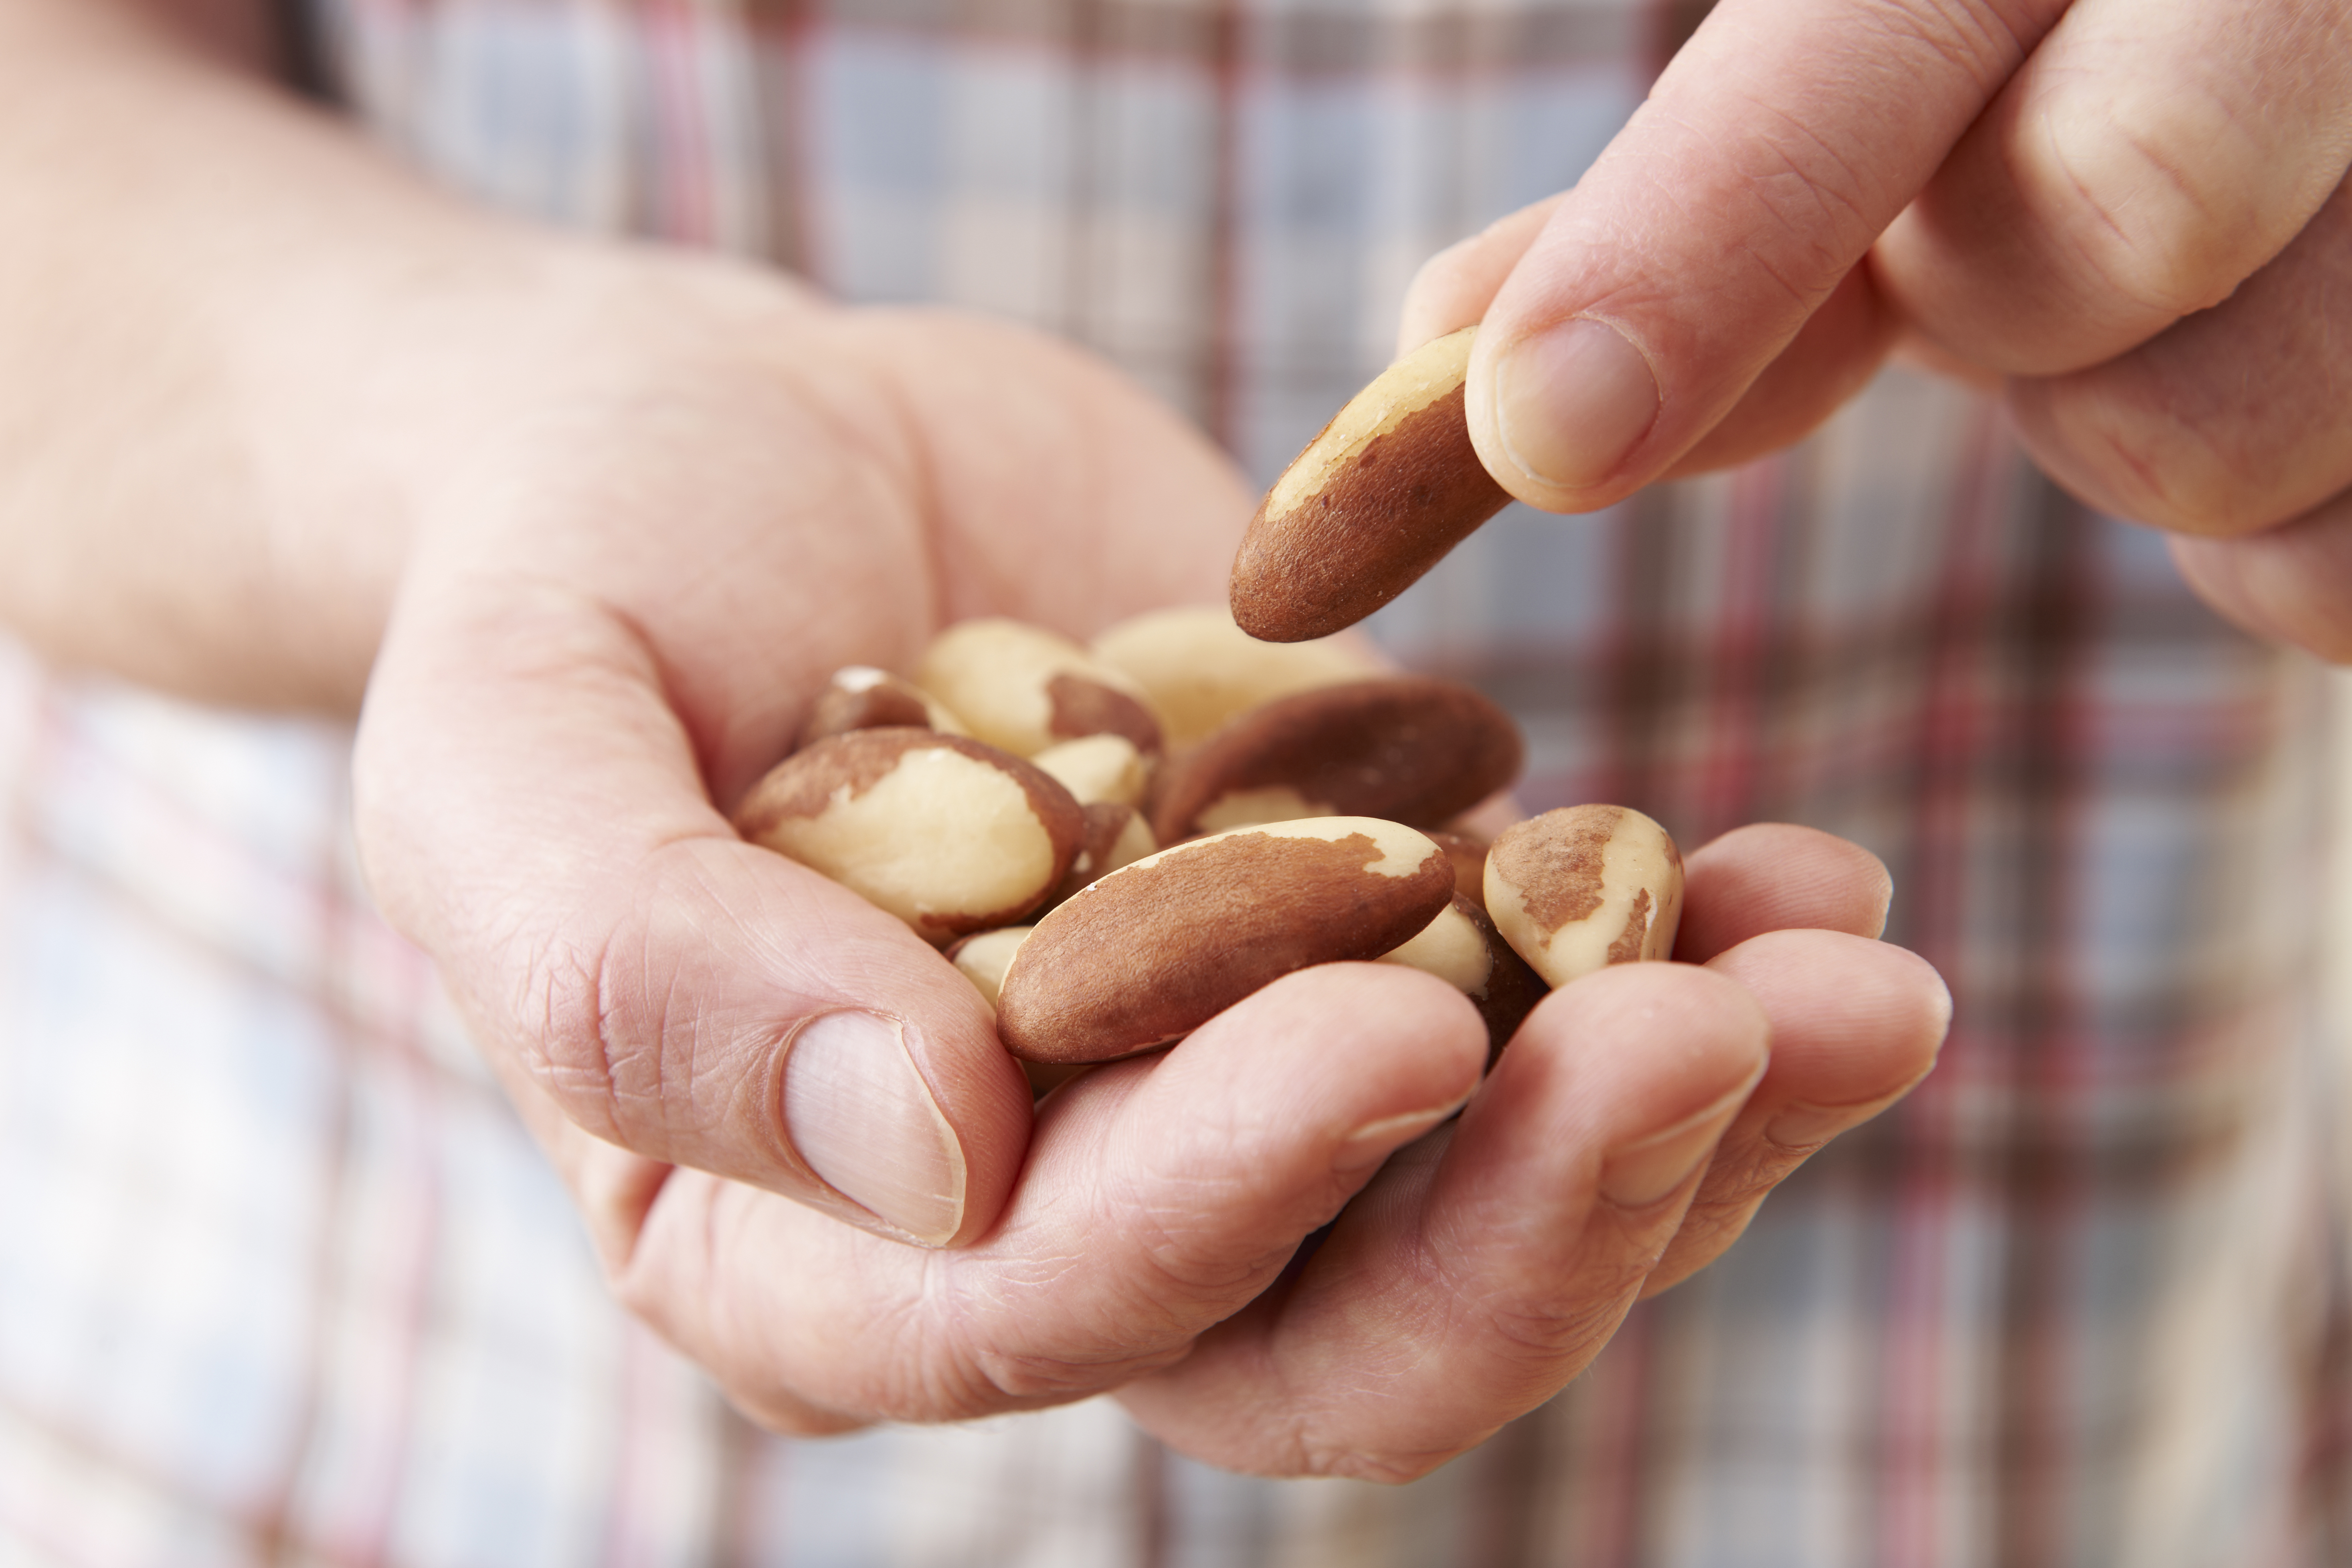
(1115, 836)
(948, 835)
(1462, 947)
(1584, 887)
(1376, 500)
(1468, 853)
(1151, 952)
(860, 697)
(1406, 748)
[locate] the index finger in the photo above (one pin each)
(1775, 149)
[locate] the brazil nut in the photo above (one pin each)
(1469, 857)
(1409, 748)
(1114, 835)
(860, 697)
(1098, 768)
(1197, 668)
(948, 834)
(1376, 500)
(984, 957)
(1152, 951)
(1461, 947)
(1584, 887)
(1022, 688)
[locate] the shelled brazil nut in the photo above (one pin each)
(1156, 949)
(1584, 887)
(1196, 668)
(1377, 498)
(948, 834)
(860, 697)
(1024, 688)
(1462, 947)
(1469, 857)
(1318, 768)
(1408, 748)
(1098, 768)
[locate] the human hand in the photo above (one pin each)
(1628, 1134)
(2131, 216)
(624, 512)
(761, 1089)
(686, 496)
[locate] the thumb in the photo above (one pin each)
(1774, 150)
(530, 813)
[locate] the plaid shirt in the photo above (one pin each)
(281, 1280)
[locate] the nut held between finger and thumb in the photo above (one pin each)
(860, 1115)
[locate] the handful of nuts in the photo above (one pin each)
(1115, 843)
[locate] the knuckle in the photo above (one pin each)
(576, 1037)
(1379, 1467)
(1539, 1339)
(1315, 1442)
(993, 1355)
(2119, 446)
(1183, 1259)
(1027, 1380)
(2161, 225)
(612, 1017)
(1742, 1177)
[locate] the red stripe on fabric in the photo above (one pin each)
(2047, 1184)
(750, 1467)
(413, 1237)
(282, 1527)
(1910, 1413)
(1154, 1531)
(1613, 1478)
(1221, 372)
(681, 175)
(782, 34)
(53, 1530)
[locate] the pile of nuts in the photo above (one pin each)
(1117, 842)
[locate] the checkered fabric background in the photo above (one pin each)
(282, 1281)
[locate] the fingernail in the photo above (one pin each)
(861, 1116)
(1803, 1126)
(1640, 1174)
(1571, 401)
(1376, 1141)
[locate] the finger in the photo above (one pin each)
(1454, 288)
(1832, 357)
(2149, 157)
(1488, 1265)
(1776, 146)
(2229, 422)
(532, 812)
(1772, 876)
(1856, 1024)
(1162, 1196)
(2289, 584)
